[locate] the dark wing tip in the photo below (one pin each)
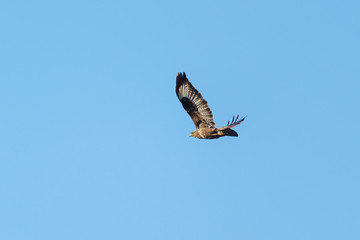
(181, 76)
(242, 119)
(235, 121)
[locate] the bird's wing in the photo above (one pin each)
(233, 122)
(194, 104)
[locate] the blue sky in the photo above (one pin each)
(95, 145)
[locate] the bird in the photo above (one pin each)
(196, 106)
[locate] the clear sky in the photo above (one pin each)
(95, 144)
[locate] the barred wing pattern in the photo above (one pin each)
(194, 104)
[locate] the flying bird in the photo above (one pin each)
(199, 111)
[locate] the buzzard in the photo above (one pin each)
(199, 111)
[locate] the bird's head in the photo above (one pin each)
(192, 134)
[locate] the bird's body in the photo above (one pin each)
(196, 106)
(212, 133)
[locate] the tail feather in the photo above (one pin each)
(229, 132)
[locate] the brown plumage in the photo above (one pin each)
(199, 111)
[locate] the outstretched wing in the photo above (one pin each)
(194, 104)
(233, 122)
